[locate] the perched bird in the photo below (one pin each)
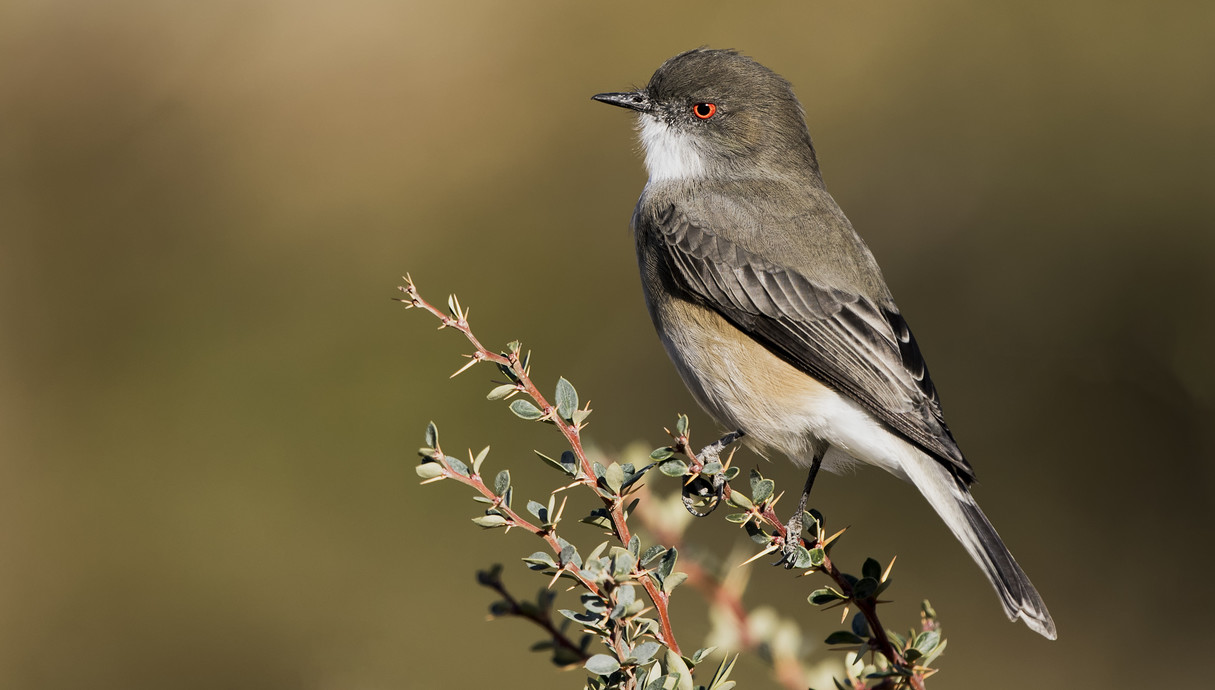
(775, 312)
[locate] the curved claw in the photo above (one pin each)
(701, 488)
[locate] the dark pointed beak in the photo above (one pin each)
(636, 100)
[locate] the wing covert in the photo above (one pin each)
(861, 349)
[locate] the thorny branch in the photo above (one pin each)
(614, 504)
(867, 606)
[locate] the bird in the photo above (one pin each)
(773, 309)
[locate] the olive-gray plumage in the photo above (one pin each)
(773, 309)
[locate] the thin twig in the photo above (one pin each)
(571, 432)
(543, 620)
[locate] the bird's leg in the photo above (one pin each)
(793, 530)
(700, 488)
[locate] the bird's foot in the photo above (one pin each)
(702, 495)
(793, 552)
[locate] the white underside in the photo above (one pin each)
(669, 154)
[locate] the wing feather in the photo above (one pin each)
(861, 349)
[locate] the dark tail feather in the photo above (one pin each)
(953, 502)
(1016, 592)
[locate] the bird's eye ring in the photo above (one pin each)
(704, 111)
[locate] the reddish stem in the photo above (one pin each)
(570, 431)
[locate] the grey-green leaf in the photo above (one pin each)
(826, 595)
(602, 664)
(432, 435)
(864, 588)
(567, 398)
(429, 470)
(661, 453)
(763, 490)
(502, 391)
(476, 468)
(673, 468)
(502, 482)
(457, 466)
(844, 637)
(526, 410)
(670, 582)
(614, 477)
(817, 556)
(872, 568)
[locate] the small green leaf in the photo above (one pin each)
(570, 462)
(927, 610)
(763, 490)
(859, 625)
(738, 500)
(490, 521)
(457, 466)
(801, 557)
(549, 461)
(652, 553)
(670, 582)
(668, 563)
(731, 473)
(681, 425)
(673, 467)
(602, 664)
(429, 470)
(864, 588)
(502, 391)
(567, 398)
(613, 476)
(626, 595)
(645, 651)
(476, 467)
(540, 560)
(756, 478)
(622, 563)
(569, 554)
(757, 534)
(538, 509)
(926, 641)
(502, 482)
(817, 556)
(711, 468)
(872, 569)
(591, 619)
(661, 453)
(844, 637)
(737, 518)
(524, 409)
(432, 435)
(677, 667)
(826, 595)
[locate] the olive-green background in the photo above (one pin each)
(209, 404)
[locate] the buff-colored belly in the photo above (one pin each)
(744, 386)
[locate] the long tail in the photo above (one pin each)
(953, 502)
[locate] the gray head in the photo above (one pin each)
(715, 113)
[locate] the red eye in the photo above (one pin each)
(704, 111)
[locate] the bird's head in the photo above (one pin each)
(718, 114)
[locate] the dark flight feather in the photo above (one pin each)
(856, 347)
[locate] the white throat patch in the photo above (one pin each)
(669, 154)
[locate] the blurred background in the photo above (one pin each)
(209, 404)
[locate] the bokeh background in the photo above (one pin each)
(209, 404)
